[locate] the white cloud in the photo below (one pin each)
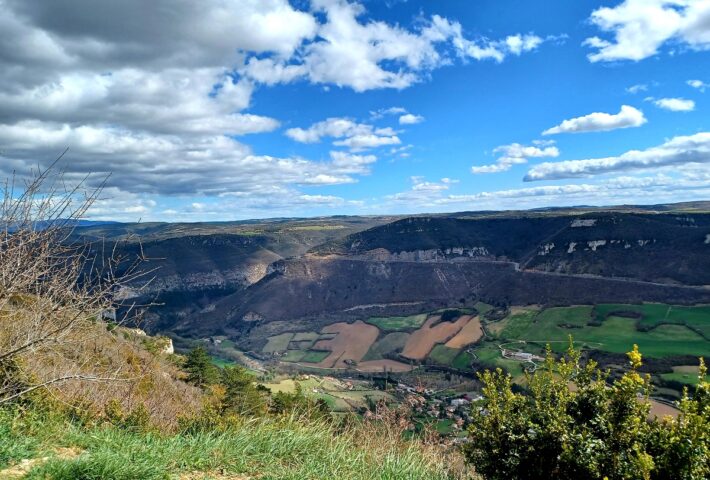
(515, 154)
(641, 87)
(351, 164)
(600, 122)
(366, 55)
(364, 141)
(271, 72)
(658, 188)
(675, 104)
(331, 127)
(155, 92)
(677, 151)
(441, 29)
(402, 152)
(165, 164)
(356, 136)
(154, 102)
(410, 119)
(383, 112)
(698, 84)
(641, 27)
(422, 192)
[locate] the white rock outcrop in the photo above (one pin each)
(594, 244)
(583, 222)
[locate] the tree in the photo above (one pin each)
(574, 423)
(297, 402)
(200, 369)
(242, 396)
(52, 289)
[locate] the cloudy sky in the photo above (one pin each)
(231, 109)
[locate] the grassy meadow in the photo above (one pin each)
(602, 327)
(389, 324)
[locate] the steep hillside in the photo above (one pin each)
(211, 276)
(324, 290)
(192, 265)
(666, 248)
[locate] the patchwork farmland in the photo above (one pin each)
(393, 344)
(670, 337)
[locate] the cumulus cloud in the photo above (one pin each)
(641, 27)
(361, 142)
(675, 104)
(681, 150)
(698, 84)
(441, 30)
(160, 93)
(366, 55)
(154, 102)
(349, 164)
(422, 192)
(356, 136)
(168, 165)
(515, 154)
(600, 122)
(410, 119)
(405, 117)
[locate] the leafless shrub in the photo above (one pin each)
(52, 291)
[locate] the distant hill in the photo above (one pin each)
(221, 277)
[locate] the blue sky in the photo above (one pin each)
(229, 109)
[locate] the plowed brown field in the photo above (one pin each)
(423, 340)
(470, 333)
(381, 365)
(351, 342)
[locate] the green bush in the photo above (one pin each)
(574, 423)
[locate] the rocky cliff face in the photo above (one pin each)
(664, 248)
(240, 282)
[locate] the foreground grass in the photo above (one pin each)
(267, 448)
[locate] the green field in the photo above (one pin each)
(686, 374)
(654, 314)
(277, 343)
(294, 356)
(301, 336)
(223, 362)
(463, 361)
(489, 355)
(483, 308)
(391, 324)
(314, 356)
(444, 355)
(335, 393)
(390, 343)
(615, 334)
(571, 317)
